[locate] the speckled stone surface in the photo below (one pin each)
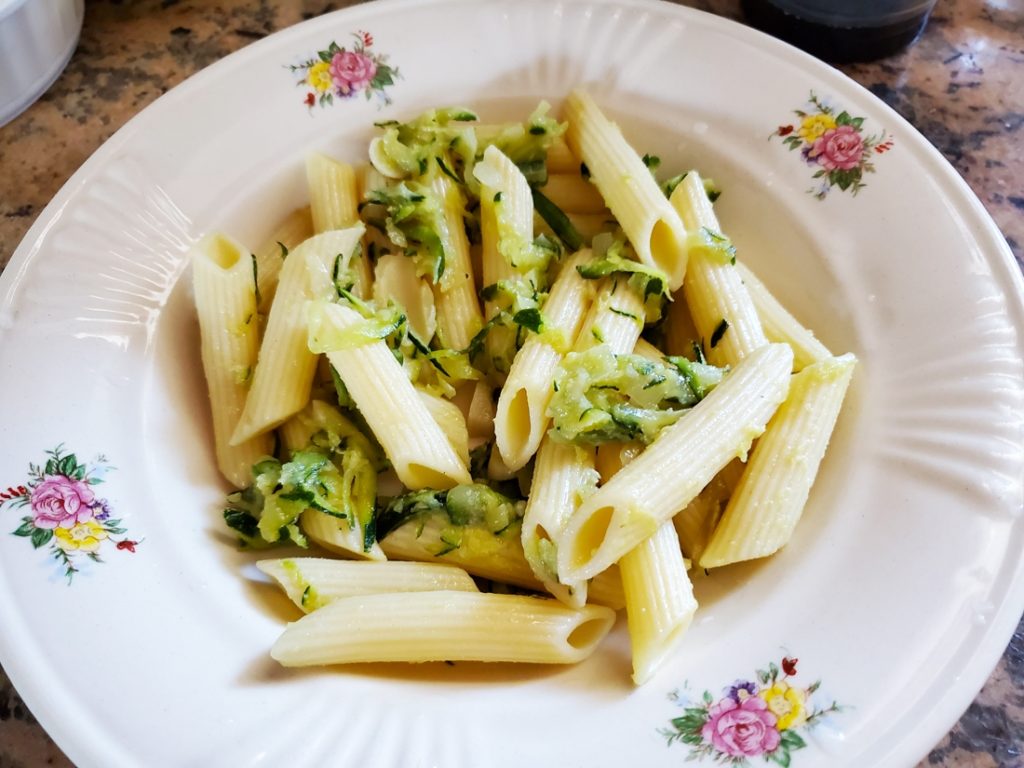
(961, 85)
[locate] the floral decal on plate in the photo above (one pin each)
(835, 145)
(343, 73)
(753, 718)
(67, 516)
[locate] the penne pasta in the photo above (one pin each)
(225, 295)
(649, 221)
(313, 582)
(284, 372)
(443, 626)
(684, 457)
(296, 227)
(520, 419)
(418, 449)
(724, 315)
(495, 557)
(769, 499)
(780, 326)
(458, 309)
(659, 599)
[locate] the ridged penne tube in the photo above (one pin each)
(719, 303)
(458, 309)
(443, 626)
(574, 194)
(562, 475)
(616, 318)
(334, 204)
(296, 227)
(495, 557)
(769, 499)
(451, 421)
(343, 537)
(649, 221)
(683, 458)
(780, 326)
(225, 293)
(313, 582)
(506, 209)
(284, 373)
(659, 599)
(333, 197)
(417, 447)
(697, 520)
(521, 415)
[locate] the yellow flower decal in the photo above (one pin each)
(84, 537)
(319, 77)
(787, 704)
(814, 126)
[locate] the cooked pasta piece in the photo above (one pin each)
(458, 309)
(284, 372)
(770, 497)
(684, 458)
(496, 557)
(418, 449)
(506, 214)
(225, 294)
(780, 326)
(659, 599)
(649, 221)
(313, 582)
(296, 227)
(341, 536)
(615, 319)
(451, 421)
(720, 305)
(521, 417)
(334, 202)
(443, 626)
(564, 474)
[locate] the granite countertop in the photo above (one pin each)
(961, 85)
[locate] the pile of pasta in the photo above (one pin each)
(506, 351)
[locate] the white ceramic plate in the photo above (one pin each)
(898, 593)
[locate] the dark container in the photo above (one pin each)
(840, 30)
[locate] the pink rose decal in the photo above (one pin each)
(760, 716)
(835, 145)
(741, 730)
(838, 149)
(351, 72)
(341, 72)
(59, 501)
(65, 516)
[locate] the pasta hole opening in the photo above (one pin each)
(519, 420)
(591, 535)
(666, 250)
(421, 476)
(587, 633)
(223, 252)
(542, 534)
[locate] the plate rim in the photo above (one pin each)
(992, 642)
